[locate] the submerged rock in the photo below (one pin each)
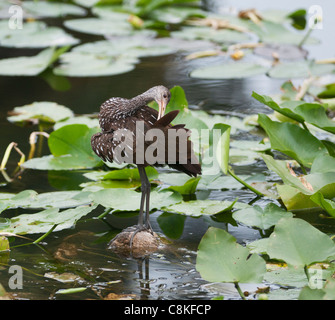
(144, 242)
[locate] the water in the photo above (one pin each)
(168, 274)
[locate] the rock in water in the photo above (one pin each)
(144, 242)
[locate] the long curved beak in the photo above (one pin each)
(161, 110)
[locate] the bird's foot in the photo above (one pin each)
(136, 229)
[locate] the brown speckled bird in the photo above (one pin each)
(125, 122)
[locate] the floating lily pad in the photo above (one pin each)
(298, 243)
(71, 149)
(234, 70)
(44, 111)
(207, 33)
(115, 198)
(283, 51)
(175, 15)
(262, 219)
(221, 259)
(76, 64)
(26, 223)
(27, 66)
(51, 9)
(292, 140)
(96, 26)
(197, 208)
(299, 69)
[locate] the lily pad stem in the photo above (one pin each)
(45, 235)
(245, 184)
(239, 290)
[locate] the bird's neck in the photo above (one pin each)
(142, 99)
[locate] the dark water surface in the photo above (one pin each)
(169, 274)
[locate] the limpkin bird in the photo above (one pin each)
(125, 122)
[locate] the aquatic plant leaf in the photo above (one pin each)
(130, 174)
(221, 259)
(323, 163)
(292, 140)
(294, 199)
(171, 224)
(42, 111)
(288, 112)
(298, 243)
(175, 15)
(236, 70)
(207, 33)
(27, 66)
(96, 26)
(71, 149)
(115, 198)
(42, 221)
(189, 187)
(273, 32)
(196, 208)
(45, 9)
(299, 69)
(78, 64)
(47, 37)
(56, 199)
(259, 218)
(326, 204)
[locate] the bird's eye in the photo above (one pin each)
(164, 96)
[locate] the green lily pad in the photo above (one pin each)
(77, 64)
(326, 204)
(43, 221)
(27, 66)
(196, 208)
(175, 15)
(236, 70)
(299, 69)
(221, 259)
(96, 26)
(259, 218)
(298, 243)
(43, 111)
(130, 174)
(188, 188)
(51, 9)
(71, 149)
(292, 140)
(129, 200)
(47, 37)
(207, 33)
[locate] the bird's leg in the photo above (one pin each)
(145, 189)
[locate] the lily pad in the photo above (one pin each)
(27, 66)
(129, 200)
(47, 37)
(292, 140)
(259, 218)
(299, 69)
(221, 259)
(236, 70)
(51, 9)
(207, 33)
(42, 221)
(77, 64)
(196, 208)
(43, 111)
(96, 26)
(298, 243)
(71, 149)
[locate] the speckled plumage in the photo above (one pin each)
(118, 118)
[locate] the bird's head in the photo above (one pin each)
(162, 96)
